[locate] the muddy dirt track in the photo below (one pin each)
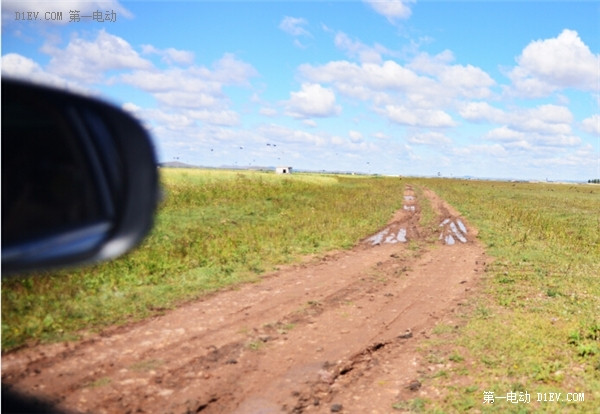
(338, 333)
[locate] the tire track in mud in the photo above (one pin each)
(303, 338)
(404, 225)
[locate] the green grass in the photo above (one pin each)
(536, 325)
(214, 229)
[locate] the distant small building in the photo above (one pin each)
(283, 170)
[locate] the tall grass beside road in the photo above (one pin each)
(214, 229)
(536, 327)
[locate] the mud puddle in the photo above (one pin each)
(398, 230)
(453, 230)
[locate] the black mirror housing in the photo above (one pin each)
(79, 179)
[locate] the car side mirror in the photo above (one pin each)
(79, 179)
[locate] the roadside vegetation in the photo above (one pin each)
(535, 327)
(214, 229)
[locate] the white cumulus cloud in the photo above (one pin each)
(20, 67)
(389, 82)
(355, 136)
(430, 138)
(294, 26)
(553, 64)
(193, 87)
(15, 65)
(392, 9)
(312, 100)
(170, 55)
(531, 140)
(87, 61)
(357, 49)
(591, 125)
(430, 118)
(480, 112)
(543, 119)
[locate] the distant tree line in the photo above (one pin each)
(594, 181)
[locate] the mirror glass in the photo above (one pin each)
(48, 185)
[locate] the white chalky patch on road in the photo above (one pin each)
(385, 236)
(462, 226)
(458, 234)
(453, 230)
(377, 239)
(402, 235)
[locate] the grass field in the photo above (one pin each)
(533, 328)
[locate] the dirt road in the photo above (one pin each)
(337, 333)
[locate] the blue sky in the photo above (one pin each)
(507, 89)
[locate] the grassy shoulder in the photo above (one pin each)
(535, 328)
(215, 229)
